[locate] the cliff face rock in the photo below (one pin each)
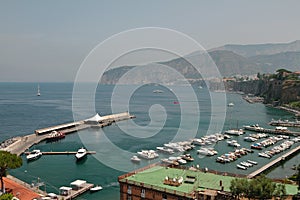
(274, 91)
(290, 91)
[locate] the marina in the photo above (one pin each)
(94, 172)
(274, 162)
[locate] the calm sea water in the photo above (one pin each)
(22, 112)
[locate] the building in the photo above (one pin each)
(165, 183)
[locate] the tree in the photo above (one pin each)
(8, 161)
(280, 191)
(259, 188)
(7, 196)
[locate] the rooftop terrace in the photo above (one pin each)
(154, 176)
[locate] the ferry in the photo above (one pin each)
(55, 136)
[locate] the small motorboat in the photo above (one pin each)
(96, 188)
(35, 154)
(241, 167)
(135, 159)
(252, 162)
(81, 153)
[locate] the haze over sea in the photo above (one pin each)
(22, 112)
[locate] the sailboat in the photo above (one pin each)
(38, 92)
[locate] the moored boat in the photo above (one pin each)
(135, 159)
(33, 155)
(54, 136)
(187, 157)
(235, 132)
(241, 167)
(233, 143)
(81, 153)
(96, 188)
(165, 150)
(148, 154)
(252, 162)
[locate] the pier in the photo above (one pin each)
(77, 188)
(22, 143)
(271, 131)
(274, 162)
(62, 152)
(285, 123)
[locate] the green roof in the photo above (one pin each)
(154, 178)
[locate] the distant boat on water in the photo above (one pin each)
(230, 104)
(38, 91)
(158, 91)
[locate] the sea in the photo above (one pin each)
(174, 113)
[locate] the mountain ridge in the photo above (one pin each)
(228, 62)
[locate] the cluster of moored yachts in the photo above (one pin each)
(205, 150)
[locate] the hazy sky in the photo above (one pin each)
(44, 41)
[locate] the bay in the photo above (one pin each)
(22, 112)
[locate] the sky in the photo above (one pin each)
(46, 41)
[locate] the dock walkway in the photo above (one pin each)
(272, 131)
(62, 152)
(75, 193)
(274, 162)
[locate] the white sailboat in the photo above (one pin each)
(38, 91)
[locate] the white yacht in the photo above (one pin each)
(233, 143)
(147, 154)
(35, 154)
(205, 151)
(235, 132)
(165, 150)
(81, 153)
(38, 92)
(230, 104)
(96, 188)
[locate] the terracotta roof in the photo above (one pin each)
(19, 190)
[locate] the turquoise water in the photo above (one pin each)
(22, 112)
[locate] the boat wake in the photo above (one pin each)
(112, 184)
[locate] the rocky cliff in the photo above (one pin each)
(275, 92)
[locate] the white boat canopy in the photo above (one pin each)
(65, 190)
(78, 183)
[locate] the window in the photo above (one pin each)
(129, 189)
(143, 193)
(164, 197)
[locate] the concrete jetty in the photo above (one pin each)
(61, 152)
(274, 162)
(271, 131)
(22, 143)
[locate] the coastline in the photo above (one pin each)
(291, 110)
